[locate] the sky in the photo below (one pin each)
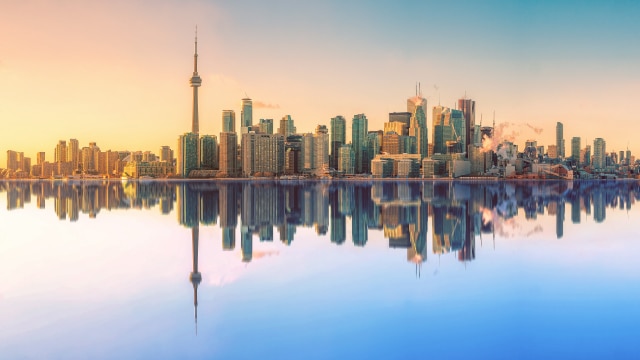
(117, 72)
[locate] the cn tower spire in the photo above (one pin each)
(195, 82)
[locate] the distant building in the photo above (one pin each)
(346, 160)
(599, 153)
(228, 121)
(286, 126)
(263, 154)
(246, 115)
(266, 126)
(228, 154)
(338, 138)
(187, 154)
(575, 149)
(560, 139)
(209, 152)
(359, 130)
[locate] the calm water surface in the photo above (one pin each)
(319, 270)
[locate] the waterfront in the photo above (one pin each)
(319, 270)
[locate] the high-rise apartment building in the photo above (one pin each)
(359, 131)
(338, 138)
(308, 152)
(403, 117)
(228, 153)
(208, 152)
(599, 153)
(40, 158)
(560, 139)
(61, 152)
(228, 121)
(73, 153)
(187, 154)
(246, 115)
(262, 154)
(346, 159)
(575, 149)
(12, 160)
(321, 148)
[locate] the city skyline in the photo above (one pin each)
(125, 86)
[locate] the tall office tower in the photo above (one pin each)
(621, 158)
(246, 115)
(228, 153)
(560, 139)
(73, 153)
(40, 158)
(374, 141)
(338, 138)
(346, 159)
(286, 126)
(166, 154)
(266, 126)
(587, 155)
(208, 152)
(187, 154)
(468, 108)
(599, 153)
(359, 131)
(228, 121)
(195, 82)
(321, 148)
(417, 106)
(575, 149)
(61, 152)
(403, 117)
(12, 160)
(308, 152)
(552, 152)
(628, 157)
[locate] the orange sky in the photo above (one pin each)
(117, 72)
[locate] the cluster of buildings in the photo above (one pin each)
(454, 146)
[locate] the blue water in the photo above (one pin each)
(319, 270)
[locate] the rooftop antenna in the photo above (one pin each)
(419, 90)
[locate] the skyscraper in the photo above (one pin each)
(560, 139)
(286, 126)
(417, 106)
(321, 148)
(346, 159)
(599, 153)
(266, 126)
(61, 152)
(187, 154)
(359, 131)
(575, 149)
(73, 153)
(228, 121)
(195, 82)
(468, 108)
(338, 138)
(246, 115)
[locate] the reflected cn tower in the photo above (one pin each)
(195, 82)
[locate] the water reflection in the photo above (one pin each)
(425, 220)
(460, 211)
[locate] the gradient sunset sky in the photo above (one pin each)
(117, 72)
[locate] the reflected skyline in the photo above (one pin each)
(423, 247)
(460, 212)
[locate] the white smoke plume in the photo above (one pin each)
(264, 105)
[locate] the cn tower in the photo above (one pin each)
(195, 82)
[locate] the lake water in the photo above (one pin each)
(317, 270)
